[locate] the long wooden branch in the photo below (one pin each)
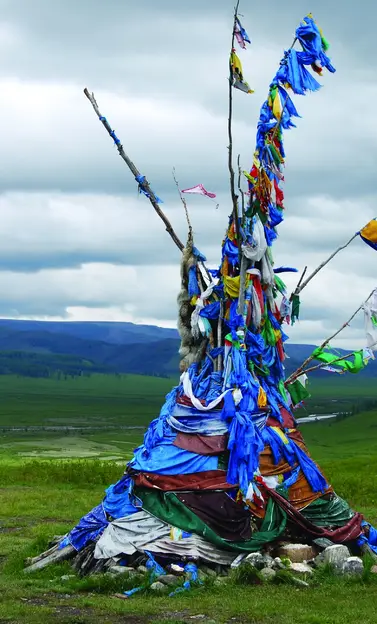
(324, 364)
(183, 202)
(301, 286)
(144, 184)
(230, 133)
(299, 371)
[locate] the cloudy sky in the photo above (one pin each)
(77, 242)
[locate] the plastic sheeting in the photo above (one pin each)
(166, 505)
(89, 528)
(193, 546)
(130, 534)
(118, 500)
(334, 511)
(144, 532)
(165, 458)
(371, 539)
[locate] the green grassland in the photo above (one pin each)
(48, 479)
(97, 400)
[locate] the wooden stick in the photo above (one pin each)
(202, 267)
(299, 371)
(301, 287)
(300, 280)
(144, 184)
(323, 364)
(241, 192)
(183, 202)
(54, 557)
(230, 134)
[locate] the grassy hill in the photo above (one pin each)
(46, 348)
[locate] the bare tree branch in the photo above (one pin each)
(144, 184)
(230, 134)
(301, 287)
(301, 369)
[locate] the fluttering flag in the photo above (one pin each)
(237, 74)
(241, 35)
(295, 308)
(369, 234)
(332, 369)
(199, 190)
(332, 359)
(370, 321)
(297, 390)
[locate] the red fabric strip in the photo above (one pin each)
(346, 533)
(208, 480)
(203, 445)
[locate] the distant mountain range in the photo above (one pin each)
(38, 348)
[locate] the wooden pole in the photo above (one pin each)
(323, 364)
(301, 287)
(230, 134)
(300, 280)
(299, 371)
(144, 184)
(54, 555)
(183, 202)
(241, 192)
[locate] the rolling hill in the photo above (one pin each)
(39, 348)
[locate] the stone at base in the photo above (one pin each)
(121, 570)
(336, 556)
(374, 569)
(268, 574)
(297, 553)
(322, 543)
(353, 566)
(157, 586)
(168, 579)
(176, 569)
(301, 568)
(278, 564)
(256, 560)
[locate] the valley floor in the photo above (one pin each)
(44, 489)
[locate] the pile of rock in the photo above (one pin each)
(339, 558)
(299, 560)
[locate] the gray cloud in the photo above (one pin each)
(77, 242)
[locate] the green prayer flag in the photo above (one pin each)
(280, 284)
(295, 308)
(330, 358)
(297, 391)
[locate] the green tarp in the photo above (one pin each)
(325, 513)
(167, 507)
